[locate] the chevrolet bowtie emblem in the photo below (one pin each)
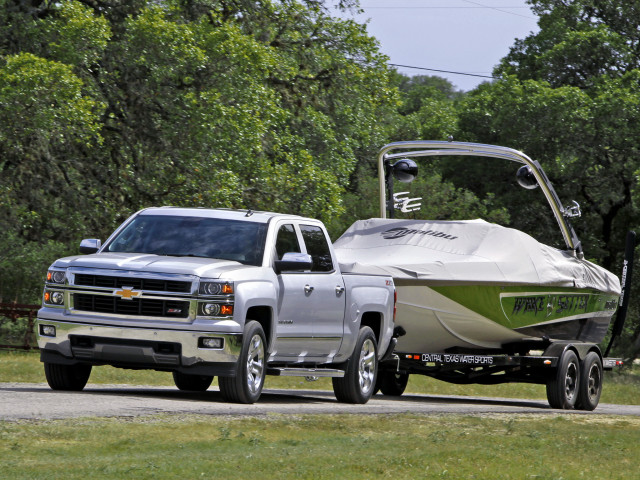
(127, 293)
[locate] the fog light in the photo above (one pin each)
(208, 342)
(47, 330)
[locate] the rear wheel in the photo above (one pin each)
(590, 382)
(67, 377)
(358, 383)
(392, 383)
(246, 386)
(563, 388)
(192, 383)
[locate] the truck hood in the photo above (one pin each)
(202, 267)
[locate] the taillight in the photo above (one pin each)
(395, 301)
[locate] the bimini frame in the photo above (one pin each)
(431, 148)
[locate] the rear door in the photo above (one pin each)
(327, 298)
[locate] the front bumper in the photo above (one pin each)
(138, 348)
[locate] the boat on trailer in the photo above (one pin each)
(482, 303)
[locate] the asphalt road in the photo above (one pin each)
(35, 401)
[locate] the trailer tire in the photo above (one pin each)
(192, 383)
(563, 388)
(392, 383)
(359, 381)
(591, 376)
(71, 378)
(246, 385)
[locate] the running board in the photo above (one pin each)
(305, 372)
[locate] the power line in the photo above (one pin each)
(444, 71)
(497, 9)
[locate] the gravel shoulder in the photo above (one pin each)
(36, 401)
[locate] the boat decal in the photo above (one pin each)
(400, 232)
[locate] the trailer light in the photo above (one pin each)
(619, 363)
(47, 330)
(209, 342)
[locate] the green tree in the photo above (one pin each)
(108, 107)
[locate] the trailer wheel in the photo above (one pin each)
(359, 381)
(590, 382)
(71, 378)
(392, 383)
(246, 386)
(563, 388)
(192, 383)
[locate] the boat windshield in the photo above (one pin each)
(192, 237)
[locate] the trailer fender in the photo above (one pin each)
(556, 349)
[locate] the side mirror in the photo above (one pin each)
(293, 262)
(90, 245)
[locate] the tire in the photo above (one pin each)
(246, 386)
(392, 383)
(359, 381)
(591, 376)
(72, 378)
(563, 388)
(192, 383)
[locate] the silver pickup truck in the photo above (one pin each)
(204, 293)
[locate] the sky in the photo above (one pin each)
(453, 35)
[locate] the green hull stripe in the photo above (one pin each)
(522, 306)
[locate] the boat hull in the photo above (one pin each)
(444, 318)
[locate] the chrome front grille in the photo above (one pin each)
(135, 307)
(149, 284)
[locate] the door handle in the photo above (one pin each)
(308, 289)
(339, 289)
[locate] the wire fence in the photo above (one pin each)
(17, 326)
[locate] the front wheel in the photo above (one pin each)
(246, 386)
(358, 383)
(71, 378)
(590, 387)
(562, 389)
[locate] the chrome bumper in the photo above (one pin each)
(137, 347)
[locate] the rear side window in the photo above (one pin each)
(287, 241)
(317, 247)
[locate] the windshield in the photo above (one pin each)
(192, 237)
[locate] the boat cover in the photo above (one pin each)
(470, 251)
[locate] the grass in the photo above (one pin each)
(620, 387)
(324, 447)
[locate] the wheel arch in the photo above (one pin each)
(264, 316)
(372, 320)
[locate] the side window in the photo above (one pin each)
(287, 241)
(317, 247)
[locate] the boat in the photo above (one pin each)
(474, 286)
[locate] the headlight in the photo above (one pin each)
(216, 309)
(53, 298)
(216, 288)
(56, 276)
